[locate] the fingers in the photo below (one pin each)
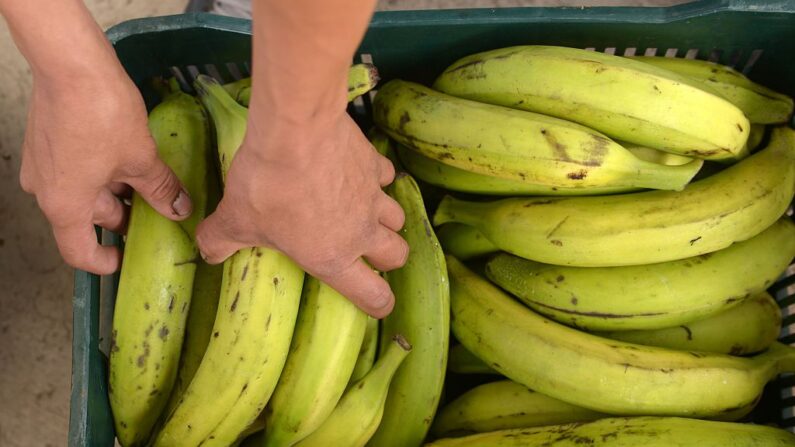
(391, 214)
(389, 250)
(364, 288)
(79, 248)
(212, 240)
(122, 190)
(110, 213)
(386, 171)
(161, 188)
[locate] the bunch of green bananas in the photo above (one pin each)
(626, 302)
(627, 305)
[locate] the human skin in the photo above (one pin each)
(305, 181)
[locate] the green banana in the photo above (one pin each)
(202, 310)
(236, 88)
(514, 144)
(366, 358)
(422, 314)
(642, 228)
(325, 345)
(458, 179)
(361, 79)
(359, 412)
(502, 405)
(755, 137)
(157, 275)
(597, 373)
(652, 296)
(623, 98)
(260, 292)
(384, 146)
(760, 104)
(747, 328)
(631, 432)
(463, 241)
(462, 361)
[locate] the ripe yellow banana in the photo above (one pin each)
(422, 314)
(502, 405)
(463, 241)
(157, 276)
(631, 432)
(458, 179)
(597, 373)
(326, 342)
(361, 79)
(622, 98)
(514, 144)
(260, 292)
(358, 413)
(642, 228)
(651, 296)
(747, 328)
(462, 361)
(366, 358)
(759, 103)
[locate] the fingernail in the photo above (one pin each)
(181, 205)
(204, 256)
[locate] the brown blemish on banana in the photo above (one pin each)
(113, 346)
(560, 278)
(163, 333)
(404, 119)
(146, 305)
(245, 272)
(234, 302)
(268, 322)
(689, 332)
(578, 175)
(171, 303)
(694, 240)
(141, 361)
(556, 242)
(559, 149)
(538, 202)
(275, 281)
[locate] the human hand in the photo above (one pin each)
(86, 143)
(313, 192)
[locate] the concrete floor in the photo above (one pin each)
(35, 306)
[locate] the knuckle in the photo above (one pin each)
(164, 184)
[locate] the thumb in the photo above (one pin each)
(160, 187)
(212, 240)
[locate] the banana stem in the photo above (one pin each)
(453, 210)
(665, 177)
(783, 357)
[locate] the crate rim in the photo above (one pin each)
(436, 17)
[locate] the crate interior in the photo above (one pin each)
(417, 45)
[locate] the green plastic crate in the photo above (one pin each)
(757, 37)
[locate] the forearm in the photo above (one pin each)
(302, 50)
(60, 40)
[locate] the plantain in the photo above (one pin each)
(157, 276)
(601, 374)
(733, 205)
